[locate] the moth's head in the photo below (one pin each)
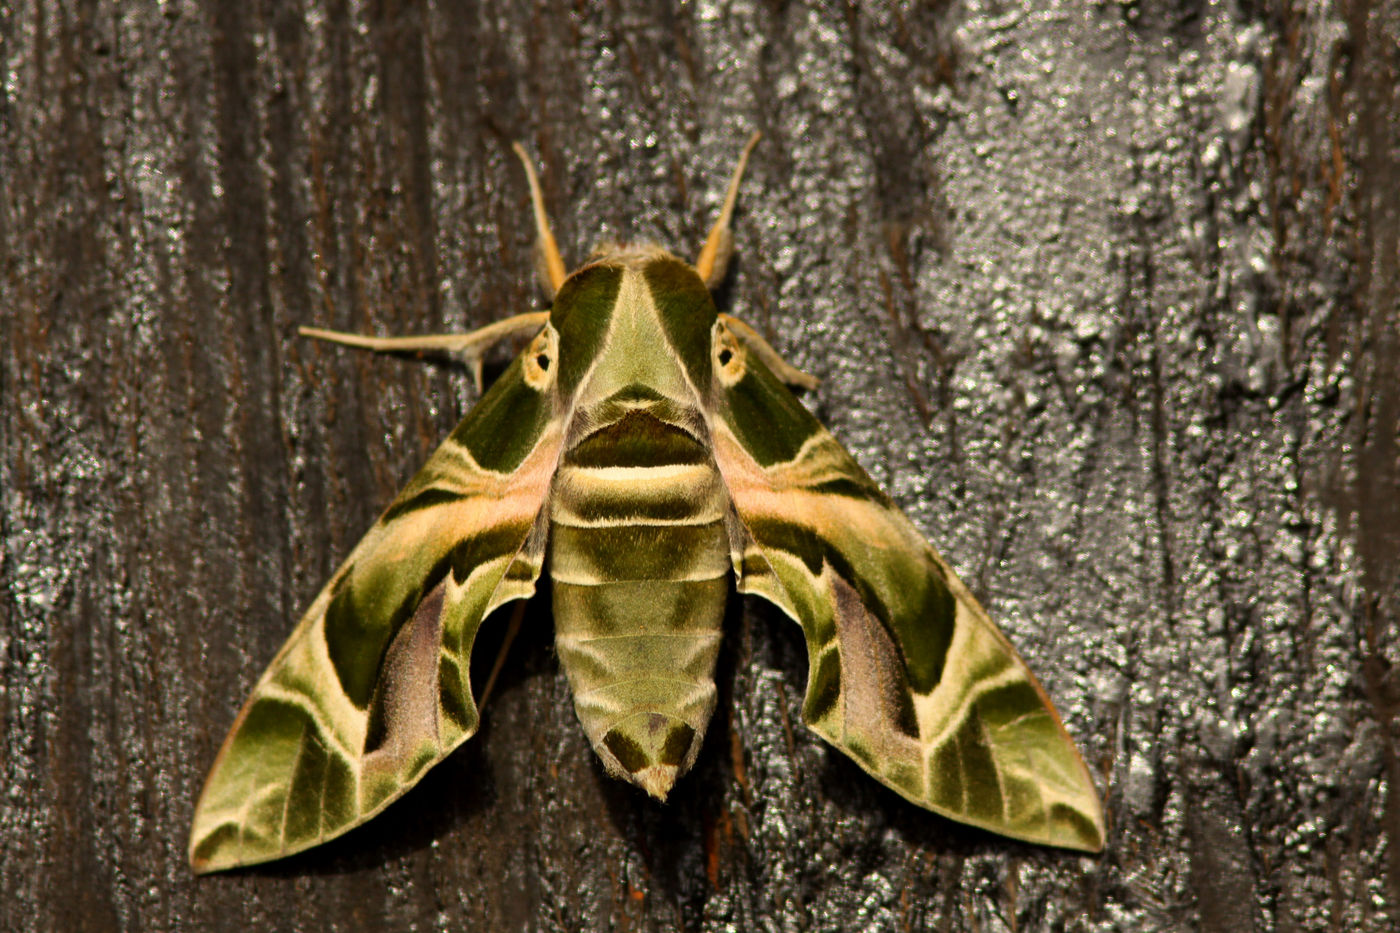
(633, 312)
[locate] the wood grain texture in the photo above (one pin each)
(1104, 294)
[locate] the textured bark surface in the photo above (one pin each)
(1104, 293)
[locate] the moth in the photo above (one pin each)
(644, 451)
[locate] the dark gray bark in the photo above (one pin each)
(1105, 294)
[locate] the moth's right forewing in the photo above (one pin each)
(372, 687)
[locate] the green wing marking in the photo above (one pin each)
(908, 676)
(373, 686)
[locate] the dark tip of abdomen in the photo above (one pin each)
(651, 750)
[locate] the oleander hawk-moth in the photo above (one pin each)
(643, 451)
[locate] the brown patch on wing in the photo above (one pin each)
(403, 718)
(876, 691)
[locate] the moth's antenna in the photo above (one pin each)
(549, 264)
(719, 246)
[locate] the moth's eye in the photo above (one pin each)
(728, 356)
(539, 358)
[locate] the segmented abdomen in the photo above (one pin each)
(639, 558)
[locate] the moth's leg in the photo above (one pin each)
(472, 345)
(549, 265)
(765, 352)
(719, 245)
(513, 629)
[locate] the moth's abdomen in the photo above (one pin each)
(639, 558)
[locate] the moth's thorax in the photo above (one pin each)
(636, 316)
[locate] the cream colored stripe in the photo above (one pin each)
(635, 482)
(670, 473)
(565, 517)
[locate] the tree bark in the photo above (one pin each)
(1104, 294)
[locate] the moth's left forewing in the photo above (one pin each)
(907, 673)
